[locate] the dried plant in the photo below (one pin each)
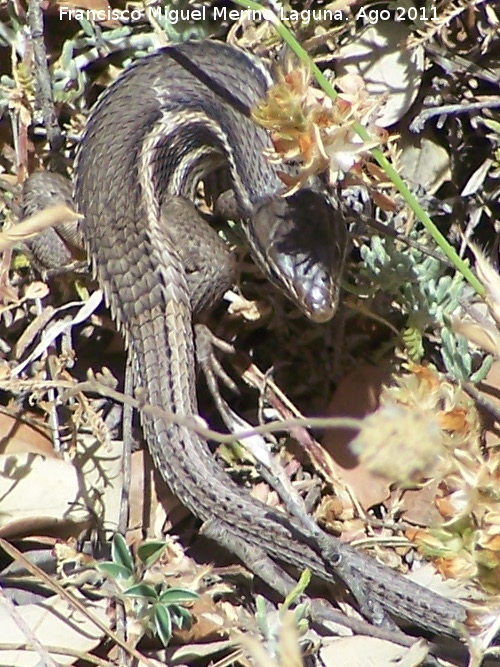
(314, 131)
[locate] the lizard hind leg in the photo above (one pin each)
(57, 250)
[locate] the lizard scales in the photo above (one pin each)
(149, 139)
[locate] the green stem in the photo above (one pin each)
(422, 215)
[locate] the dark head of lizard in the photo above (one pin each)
(299, 242)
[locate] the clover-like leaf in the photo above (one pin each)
(114, 570)
(149, 552)
(177, 596)
(163, 623)
(120, 553)
(141, 591)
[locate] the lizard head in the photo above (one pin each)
(299, 242)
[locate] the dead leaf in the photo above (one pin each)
(386, 66)
(55, 624)
(356, 396)
(40, 495)
(20, 437)
(490, 388)
(363, 651)
(210, 623)
(153, 508)
(418, 506)
(49, 217)
(486, 337)
(424, 163)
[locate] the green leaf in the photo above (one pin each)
(117, 33)
(120, 553)
(181, 616)
(261, 615)
(87, 27)
(302, 626)
(177, 595)
(302, 611)
(491, 124)
(115, 571)
(142, 591)
(20, 261)
(149, 552)
(81, 289)
(482, 371)
(163, 624)
(456, 355)
(298, 591)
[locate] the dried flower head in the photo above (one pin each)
(467, 477)
(402, 444)
(315, 131)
